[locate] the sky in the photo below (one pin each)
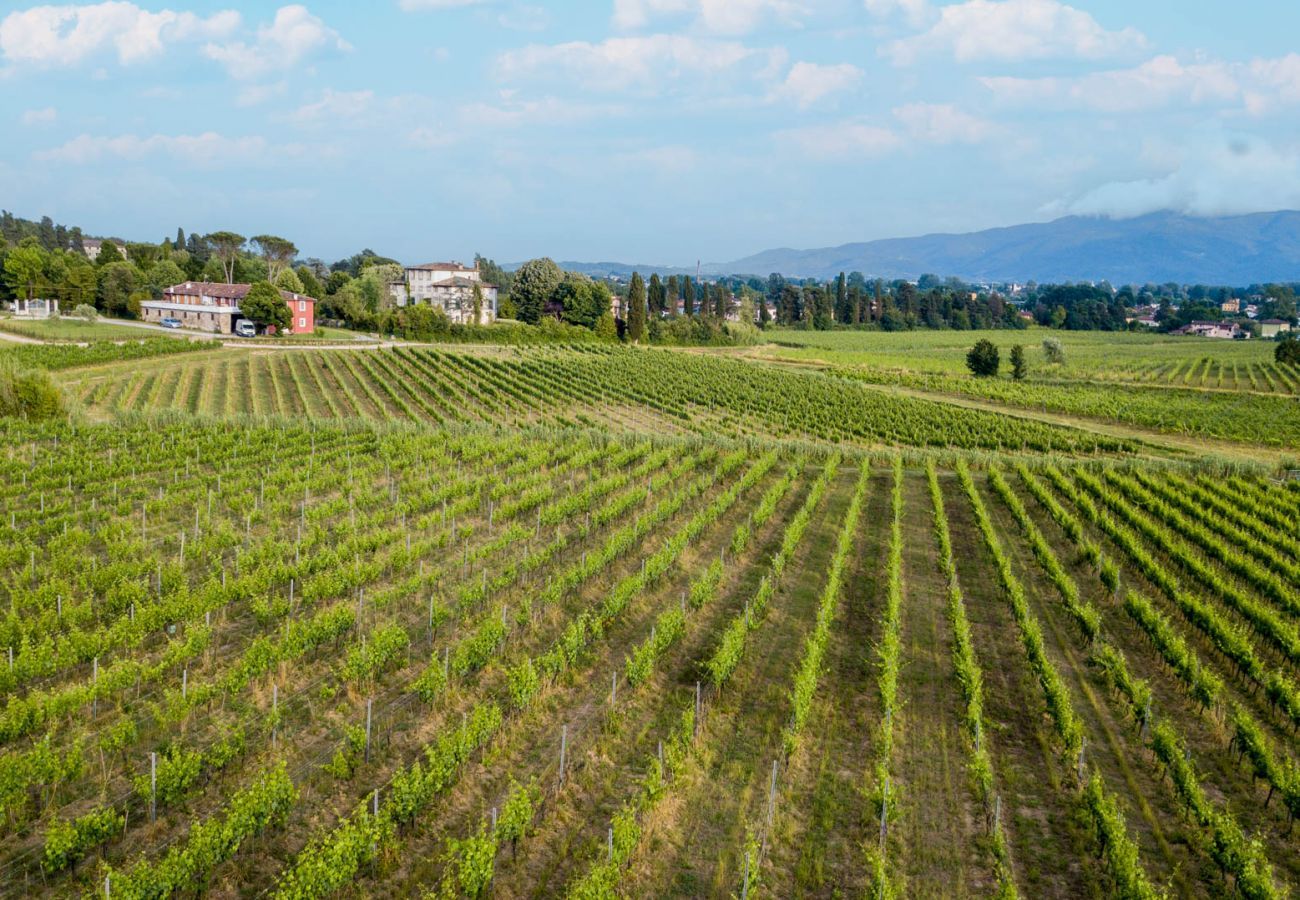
(639, 131)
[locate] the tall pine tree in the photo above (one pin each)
(636, 309)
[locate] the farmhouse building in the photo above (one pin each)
(1271, 328)
(1227, 330)
(447, 286)
(92, 246)
(211, 306)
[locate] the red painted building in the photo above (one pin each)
(211, 306)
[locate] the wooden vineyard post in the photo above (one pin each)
(695, 729)
(884, 814)
(771, 798)
(369, 705)
(153, 787)
(564, 746)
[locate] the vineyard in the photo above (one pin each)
(595, 622)
(348, 659)
(654, 391)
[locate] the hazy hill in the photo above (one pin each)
(1158, 247)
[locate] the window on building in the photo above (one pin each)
(302, 323)
(302, 306)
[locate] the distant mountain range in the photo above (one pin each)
(1159, 247)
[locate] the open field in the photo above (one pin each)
(590, 622)
(1139, 356)
(69, 329)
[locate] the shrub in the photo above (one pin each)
(1018, 367)
(1287, 351)
(27, 393)
(1054, 350)
(85, 311)
(983, 359)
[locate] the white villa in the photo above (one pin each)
(449, 286)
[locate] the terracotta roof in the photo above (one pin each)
(444, 266)
(221, 291)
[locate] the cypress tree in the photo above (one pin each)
(720, 301)
(636, 309)
(655, 296)
(688, 297)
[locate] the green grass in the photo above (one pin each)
(69, 329)
(1087, 353)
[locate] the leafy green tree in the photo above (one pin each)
(1287, 351)
(162, 276)
(288, 280)
(277, 252)
(82, 283)
(636, 315)
(226, 247)
(476, 304)
(311, 285)
(983, 359)
(1018, 367)
(264, 305)
(606, 327)
(533, 287)
(24, 268)
(117, 282)
(581, 300)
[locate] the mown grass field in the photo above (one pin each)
(591, 623)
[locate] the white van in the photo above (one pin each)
(245, 328)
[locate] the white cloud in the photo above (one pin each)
(644, 62)
(257, 94)
(420, 5)
(425, 138)
(293, 36)
(207, 150)
(1009, 30)
(840, 142)
(733, 17)
(512, 112)
(66, 35)
(915, 12)
(334, 105)
(1256, 87)
(40, 116)
(806, 83)
(671, 159)
(939, 123)
(1220, 175)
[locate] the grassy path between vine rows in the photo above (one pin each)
(816, 848)
(697, 844)
(1113, 747)
(1049, 852)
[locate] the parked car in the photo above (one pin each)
(245, 328)
(169, 322)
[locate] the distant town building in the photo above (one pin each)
(1232, 306)
(211, 306)
(449, 287)
(1271, 328)
(1227, 330)
(93, 246)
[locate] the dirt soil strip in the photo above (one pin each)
(816, 848)
(942, 824)
(1049, 848)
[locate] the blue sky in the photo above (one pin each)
(652, 131)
